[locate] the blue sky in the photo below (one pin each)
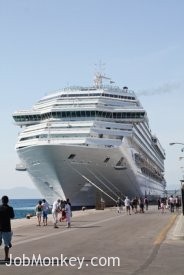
(46, 45)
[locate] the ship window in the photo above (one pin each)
(71, 156)
(120, 162)
(73, 114)
(68, 114)
(54, 114)
(107, 159)
(59, 114)
(83, 113)
(47, 115)
(114, 115)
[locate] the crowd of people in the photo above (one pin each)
(171, 203)
(139, 205)
(136, 205)
(61, 211)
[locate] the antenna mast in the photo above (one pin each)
(99, 76)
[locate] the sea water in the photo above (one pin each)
(22, 207)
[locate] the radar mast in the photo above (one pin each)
(99, 77)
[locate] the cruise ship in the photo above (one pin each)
(90, 143)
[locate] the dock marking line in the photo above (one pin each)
(157, 243)
(162, 234)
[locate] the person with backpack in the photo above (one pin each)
(39, 210)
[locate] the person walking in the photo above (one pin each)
(171, 203)
(55, 211)
(162, 207)
(119, 205)
(146, 202)
(45, 208)
(135, 203)
(63, 214)
(127, 205)
(6, 214)
(39, 210)
(141, 205)
(159, 203)
(68, 212)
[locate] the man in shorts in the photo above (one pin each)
(45, 207)
(6, 214)
(127, 205)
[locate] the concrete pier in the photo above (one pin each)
(99, 242)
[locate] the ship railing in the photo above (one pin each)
(90, 88)
(50, 141)
(27, 111)
(82, 141)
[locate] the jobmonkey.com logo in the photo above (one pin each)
(78, 262)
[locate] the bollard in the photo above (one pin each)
(182, 195)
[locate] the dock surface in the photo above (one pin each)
(99, 242)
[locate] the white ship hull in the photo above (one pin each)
(90, 143)
(87, 175)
